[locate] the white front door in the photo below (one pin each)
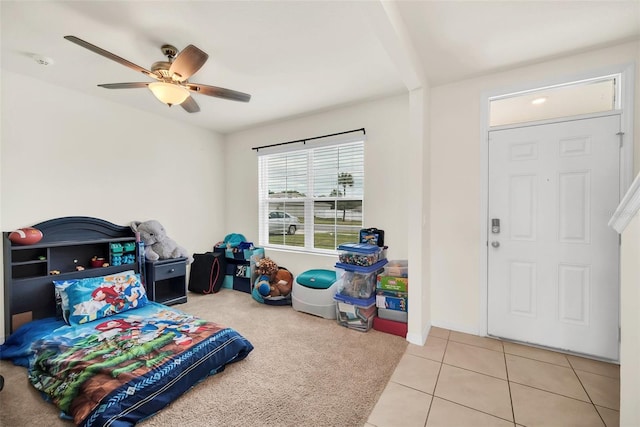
(553, 275)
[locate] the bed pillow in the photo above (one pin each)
(98, 297)
(62, 300)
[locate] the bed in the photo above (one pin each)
(111, 357)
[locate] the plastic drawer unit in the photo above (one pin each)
(357, 281)
(360, 254)
(355, 313)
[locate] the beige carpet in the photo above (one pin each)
(304, 371)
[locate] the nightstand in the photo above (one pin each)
(165, 280)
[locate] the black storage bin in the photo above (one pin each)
(207, 272)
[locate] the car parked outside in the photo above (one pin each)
(281, 222)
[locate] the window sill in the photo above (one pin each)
(301, 251)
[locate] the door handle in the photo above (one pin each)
(495, 244)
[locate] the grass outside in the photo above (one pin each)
(322, 240)
(336, 221)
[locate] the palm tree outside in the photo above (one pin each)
(345, 179)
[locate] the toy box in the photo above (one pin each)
(392, 300)
(355, 313)
(390, 283)
(360, 254)
(373, 236)
(397, 268)
(313, 292)
(358, 282)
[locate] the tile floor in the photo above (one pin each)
(461, 380)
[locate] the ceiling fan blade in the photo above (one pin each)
(111, 56)
(187, 63)
(124, 85)
(218, 92)
(190, 105)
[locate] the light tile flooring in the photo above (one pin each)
(461, 380)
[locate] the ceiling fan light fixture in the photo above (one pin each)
(169, 93)
(171, 86)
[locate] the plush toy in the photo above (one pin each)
(267, 267)
(283, 281)
(157, 245)
(263, 285)
(279, 280)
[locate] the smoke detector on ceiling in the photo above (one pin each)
(42, 60)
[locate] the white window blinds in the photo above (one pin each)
(311, 196)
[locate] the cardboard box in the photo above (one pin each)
(395, 315)
(392, 300)
(397, 268)
(390, 283)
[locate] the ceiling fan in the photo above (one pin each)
(171, 86)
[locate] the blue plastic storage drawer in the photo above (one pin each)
(356, 281)
(360, 254)
(355, 313)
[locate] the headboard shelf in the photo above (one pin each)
(64, 252)
(80, 228)
(89, 272)
(70, 243)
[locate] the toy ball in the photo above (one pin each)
(25, 236)
(264, 288)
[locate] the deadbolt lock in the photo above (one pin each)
(495, 225)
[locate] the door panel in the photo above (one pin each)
(553, 275)
(522, 287)
(523, 207)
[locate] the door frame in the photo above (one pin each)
(627, 78)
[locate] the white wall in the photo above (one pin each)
(388, 185)
(630, 318)
(66, 154)
(418, 217)
(456, 178)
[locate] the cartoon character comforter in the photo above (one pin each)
(118, 370)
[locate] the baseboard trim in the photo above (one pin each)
(419, 339)
(457, 328)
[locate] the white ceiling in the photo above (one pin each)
(296, 57)
(461, 39)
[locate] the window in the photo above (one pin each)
(570, 99)
(311, 195)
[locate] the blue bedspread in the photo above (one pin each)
(119, 370)
(17, 347)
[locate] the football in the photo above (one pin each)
(25, 236)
